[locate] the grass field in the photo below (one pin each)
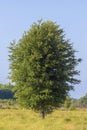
(12, 119)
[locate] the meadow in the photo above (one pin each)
(22, 119)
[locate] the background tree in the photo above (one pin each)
(82, 102)
(5, 91)
(42, 67)
(67, 102)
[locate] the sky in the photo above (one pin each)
(16, 16)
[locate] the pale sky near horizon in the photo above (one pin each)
(18, 15)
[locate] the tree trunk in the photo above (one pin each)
(43, 114)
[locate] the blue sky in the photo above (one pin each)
(17, 16)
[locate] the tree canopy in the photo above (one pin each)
(42, 66)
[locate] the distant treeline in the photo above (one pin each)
(6, 94)
(77, 103)
(82, 102)
(6, 91)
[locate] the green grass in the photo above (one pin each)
(12, 119)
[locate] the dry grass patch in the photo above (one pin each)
(11, 119)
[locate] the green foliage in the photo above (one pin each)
(67, 102)
(72, 107)
(42, 67)
(83, 99)
(82, 102)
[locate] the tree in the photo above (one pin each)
(42, 66)
(67, 102)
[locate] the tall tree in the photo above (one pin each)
(42, 67)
